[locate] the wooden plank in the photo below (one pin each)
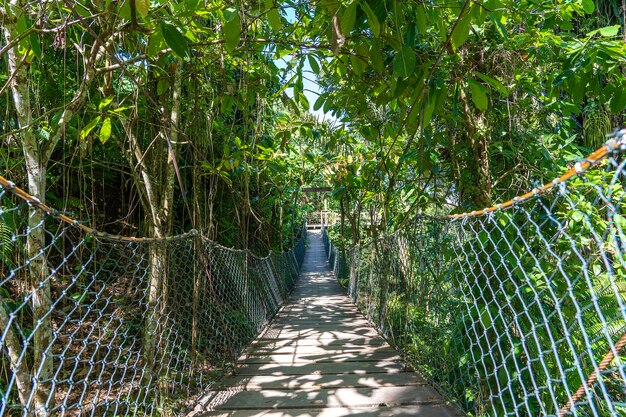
(434, 410)
(260, 382)
(315, 350)
(324, 398)
(342, 368)
(323, 357)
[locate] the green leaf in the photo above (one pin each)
(104, 103)
(499, 26)
(618, 101)
(494, 83)
(276, 21)
(577, 216)
(155, 43)
(478, 95)
(421, 20)
(87, 129)
(372, 20)
(404, 62)
(376, 58)
(314, 65)
(143, 7)
(105, 130)
(588, 6)
(304, 102)
(162, 87)
(232, 33)
(230, 13)
(23, 25)
(174, 39)
(319, 102)
(357, 65)
(349, 17)
(35, 44)
(461, 31)
(609, 31)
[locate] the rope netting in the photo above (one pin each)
(98, 325)
(516, 310)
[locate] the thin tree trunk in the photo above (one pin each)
(474, 180)
(35, 239)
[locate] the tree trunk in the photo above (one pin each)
(474, 181)
(35, 239)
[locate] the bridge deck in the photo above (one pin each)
(320, 357)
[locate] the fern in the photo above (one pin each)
(596, 125)
(7, 239)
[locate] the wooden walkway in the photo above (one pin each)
(321, 357)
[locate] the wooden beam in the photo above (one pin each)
(316, 189)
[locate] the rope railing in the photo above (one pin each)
(93, 324)
(514, 310)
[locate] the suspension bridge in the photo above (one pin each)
(518, 310)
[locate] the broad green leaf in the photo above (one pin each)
(421, 20)
(304, 102)
(87, 129)
(618, 101)
(123, 10)
(349, 17)
(376, 58)
(478, 95)
(23, 25)
(104, 103)
(372, 20)
(478, 14)
(499, 26)
(357, 64)
(105, 130)
(441, 96)
(319, 102)
(276, 22)
(162, 87)
(404, 62)
(35, 44)
(298, 85)
(155, 43)
(461, 31)
(232, 33)
(230, 13)
(143, 7)
(609, 31)
(493, 82)
(409, 37)
(174, 39)
(588, 6)
(314, 65)
(429, 108)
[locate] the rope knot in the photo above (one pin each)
(617, 141)
(578, 168)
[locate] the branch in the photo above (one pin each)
(14, 350)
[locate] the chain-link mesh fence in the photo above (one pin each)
(98, 325)
(516, 312)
